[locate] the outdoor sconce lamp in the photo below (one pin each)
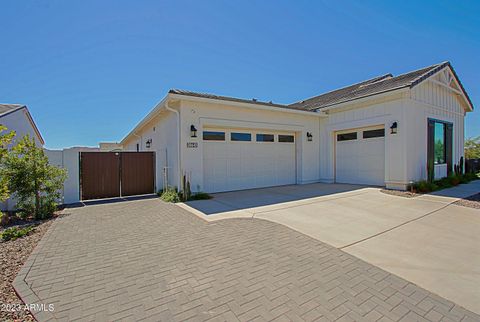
(193, 131)
(148, 144)
(394, 128)
(309, 136)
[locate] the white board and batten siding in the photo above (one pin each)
(430, 100)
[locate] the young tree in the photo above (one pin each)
(34, 181)
(5, 140)
(472, 148)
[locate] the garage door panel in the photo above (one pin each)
(248, 164)
(360, 161)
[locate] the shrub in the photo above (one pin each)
(15, 232)
(170, 195)
(454, 180)
(34, 181)
(4, 219)
(200, 196)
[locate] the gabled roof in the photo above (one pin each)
(374, 86)
(6, 109)
(9, 108)
(227, 98)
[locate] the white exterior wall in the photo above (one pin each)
(69, 160)
(430, 100)
(162, 130)
(376, 111)
(19, 122)
(207, 115)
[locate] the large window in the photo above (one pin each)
(439, 141)
(213, 136)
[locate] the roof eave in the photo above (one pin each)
(247, 105)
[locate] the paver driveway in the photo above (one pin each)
(150, 260)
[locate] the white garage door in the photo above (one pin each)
(243, 159)
(360, 156)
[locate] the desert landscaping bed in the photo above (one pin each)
(405, 194)
(13, 254)
(471, 202)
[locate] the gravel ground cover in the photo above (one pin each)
(405, 194)
(472, 201)
(13, 254)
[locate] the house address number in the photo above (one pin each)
(192, 144)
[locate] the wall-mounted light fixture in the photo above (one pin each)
(394, 128)
(193, 131)
(309, 136)
(148, 144)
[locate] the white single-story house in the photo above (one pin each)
(385, 131)
(16, 117)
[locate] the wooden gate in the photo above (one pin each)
(116, 174)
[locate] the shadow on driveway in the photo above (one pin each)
(252, 198)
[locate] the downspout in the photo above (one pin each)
(168, 108)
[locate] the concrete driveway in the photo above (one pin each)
(424, 239)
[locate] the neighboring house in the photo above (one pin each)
(16, 117)
(385, 131)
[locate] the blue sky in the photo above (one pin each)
(90, 70)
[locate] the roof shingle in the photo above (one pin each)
(369, 87)
(8, 108)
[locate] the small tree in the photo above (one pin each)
(5, 140)
(472, 148)
(34, 181)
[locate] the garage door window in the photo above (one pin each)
(246, 137)
(286, 138)
(265, 138)
(213, 136)
(347, 136)
(380, 133)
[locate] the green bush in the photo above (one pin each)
(200, 196)
(3, 219)
(444, 183)
(15, 232)
(170, 195)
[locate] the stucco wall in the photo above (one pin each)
(18, 121)
(162, 130)
(69, 160)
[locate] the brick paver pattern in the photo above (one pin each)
(148, 260)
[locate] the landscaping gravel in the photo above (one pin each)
(13, 254)
(405, 194)
(472, 201)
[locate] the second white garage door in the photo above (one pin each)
(243, 159)
(360, 156)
